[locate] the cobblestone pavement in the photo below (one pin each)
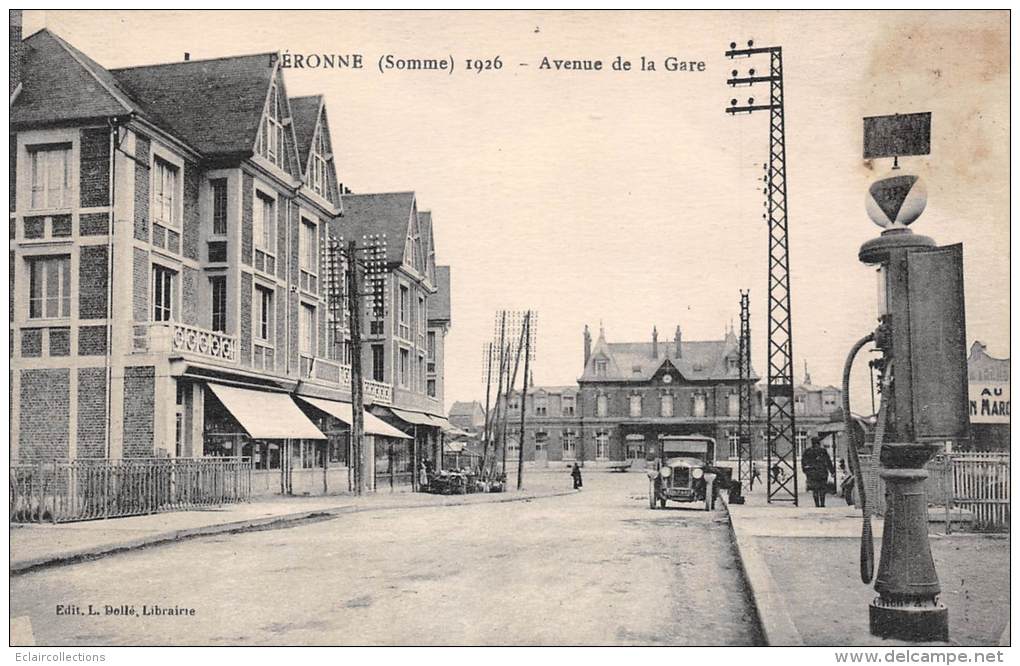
(594, 568)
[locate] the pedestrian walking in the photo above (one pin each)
(755, 473)
(576, 474)
(817, 465)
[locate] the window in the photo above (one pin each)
(264, 314)
(431, 350)
(666, 405)
(801, 441)
(601, 446)
(430, 388)
(733, 438)
(405, 327)
(541, 405)
(162, 293)
(164, 193)
(733, 404)
(307, 324)
(219, 206)
(798, 404)
(731, 362)
(635, 405)
(421, 373)
(829, 402)
(567, 405)
(405, 367)
(319, 172)
(421, 319)
(49, 287)
(271, 145)
(601, 367)
(602, 405)
(218, 286)
(264, 223)
(541, 438)
(378, 360)
(309, 255)
(699, 404)
(569, 446)
(635, 449)
(51, 176)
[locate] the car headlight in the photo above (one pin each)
(697, 472)
(665, 472)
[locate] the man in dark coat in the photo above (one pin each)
(576, 474)
(817, 464)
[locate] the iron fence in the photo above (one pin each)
(86, 489)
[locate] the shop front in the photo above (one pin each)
(267, 428)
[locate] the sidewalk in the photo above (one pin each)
(37, 545)
(802, 566)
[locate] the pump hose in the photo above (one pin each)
(867, 541)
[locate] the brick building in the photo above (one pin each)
(631, 393)
(167, 278)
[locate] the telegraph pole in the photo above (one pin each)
(526, 335)
(357, 395)
(780, 429)
(745, 451)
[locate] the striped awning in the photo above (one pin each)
(343, 411)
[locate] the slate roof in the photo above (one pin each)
(699, 360)
(466, 408)
(214, 105)
(439, 303)
(305, 113)
(61, 83)
(386, 213)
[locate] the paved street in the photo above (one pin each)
(593, 568)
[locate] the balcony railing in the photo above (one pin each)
(378, 392)
(170, 337)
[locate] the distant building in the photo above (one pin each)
(988, 379)
(468, 416)
(631, 393)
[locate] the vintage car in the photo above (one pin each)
(683, 470)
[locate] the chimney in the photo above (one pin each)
(655, 342)
(187, 56)
(587, 345)
(17, 51)
(676, 342)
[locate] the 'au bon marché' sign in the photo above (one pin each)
(989, 402)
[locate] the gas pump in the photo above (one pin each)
(922, 375)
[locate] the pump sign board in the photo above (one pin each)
(989, 402)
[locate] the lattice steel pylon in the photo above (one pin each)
(781, 450)
(745, 452)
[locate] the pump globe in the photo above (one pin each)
(896, 200)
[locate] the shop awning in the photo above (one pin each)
(344, 412)
(266, 415)
(414, 418)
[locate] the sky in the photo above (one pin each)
(630, 199)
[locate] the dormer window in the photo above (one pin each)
(320, 158)
(731, 363)
(636, 369)
(601, 367)
(271, 144)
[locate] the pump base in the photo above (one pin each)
(926, 624)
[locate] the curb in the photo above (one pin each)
(774, 619)
(95, 552)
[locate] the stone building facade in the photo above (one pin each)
(629, 394)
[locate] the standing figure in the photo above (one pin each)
(576, 474)
(817, 465)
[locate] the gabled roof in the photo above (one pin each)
(466, 408)
(214, 105)
(428, 243)
(60, 83)
(387, 213)
(439, 303)
(699, 360)
(305, 114)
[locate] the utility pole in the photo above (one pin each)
(526, 336)
(745, 451)
(488, 391)
(780, 428)
(357, 388)
(506, 414)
